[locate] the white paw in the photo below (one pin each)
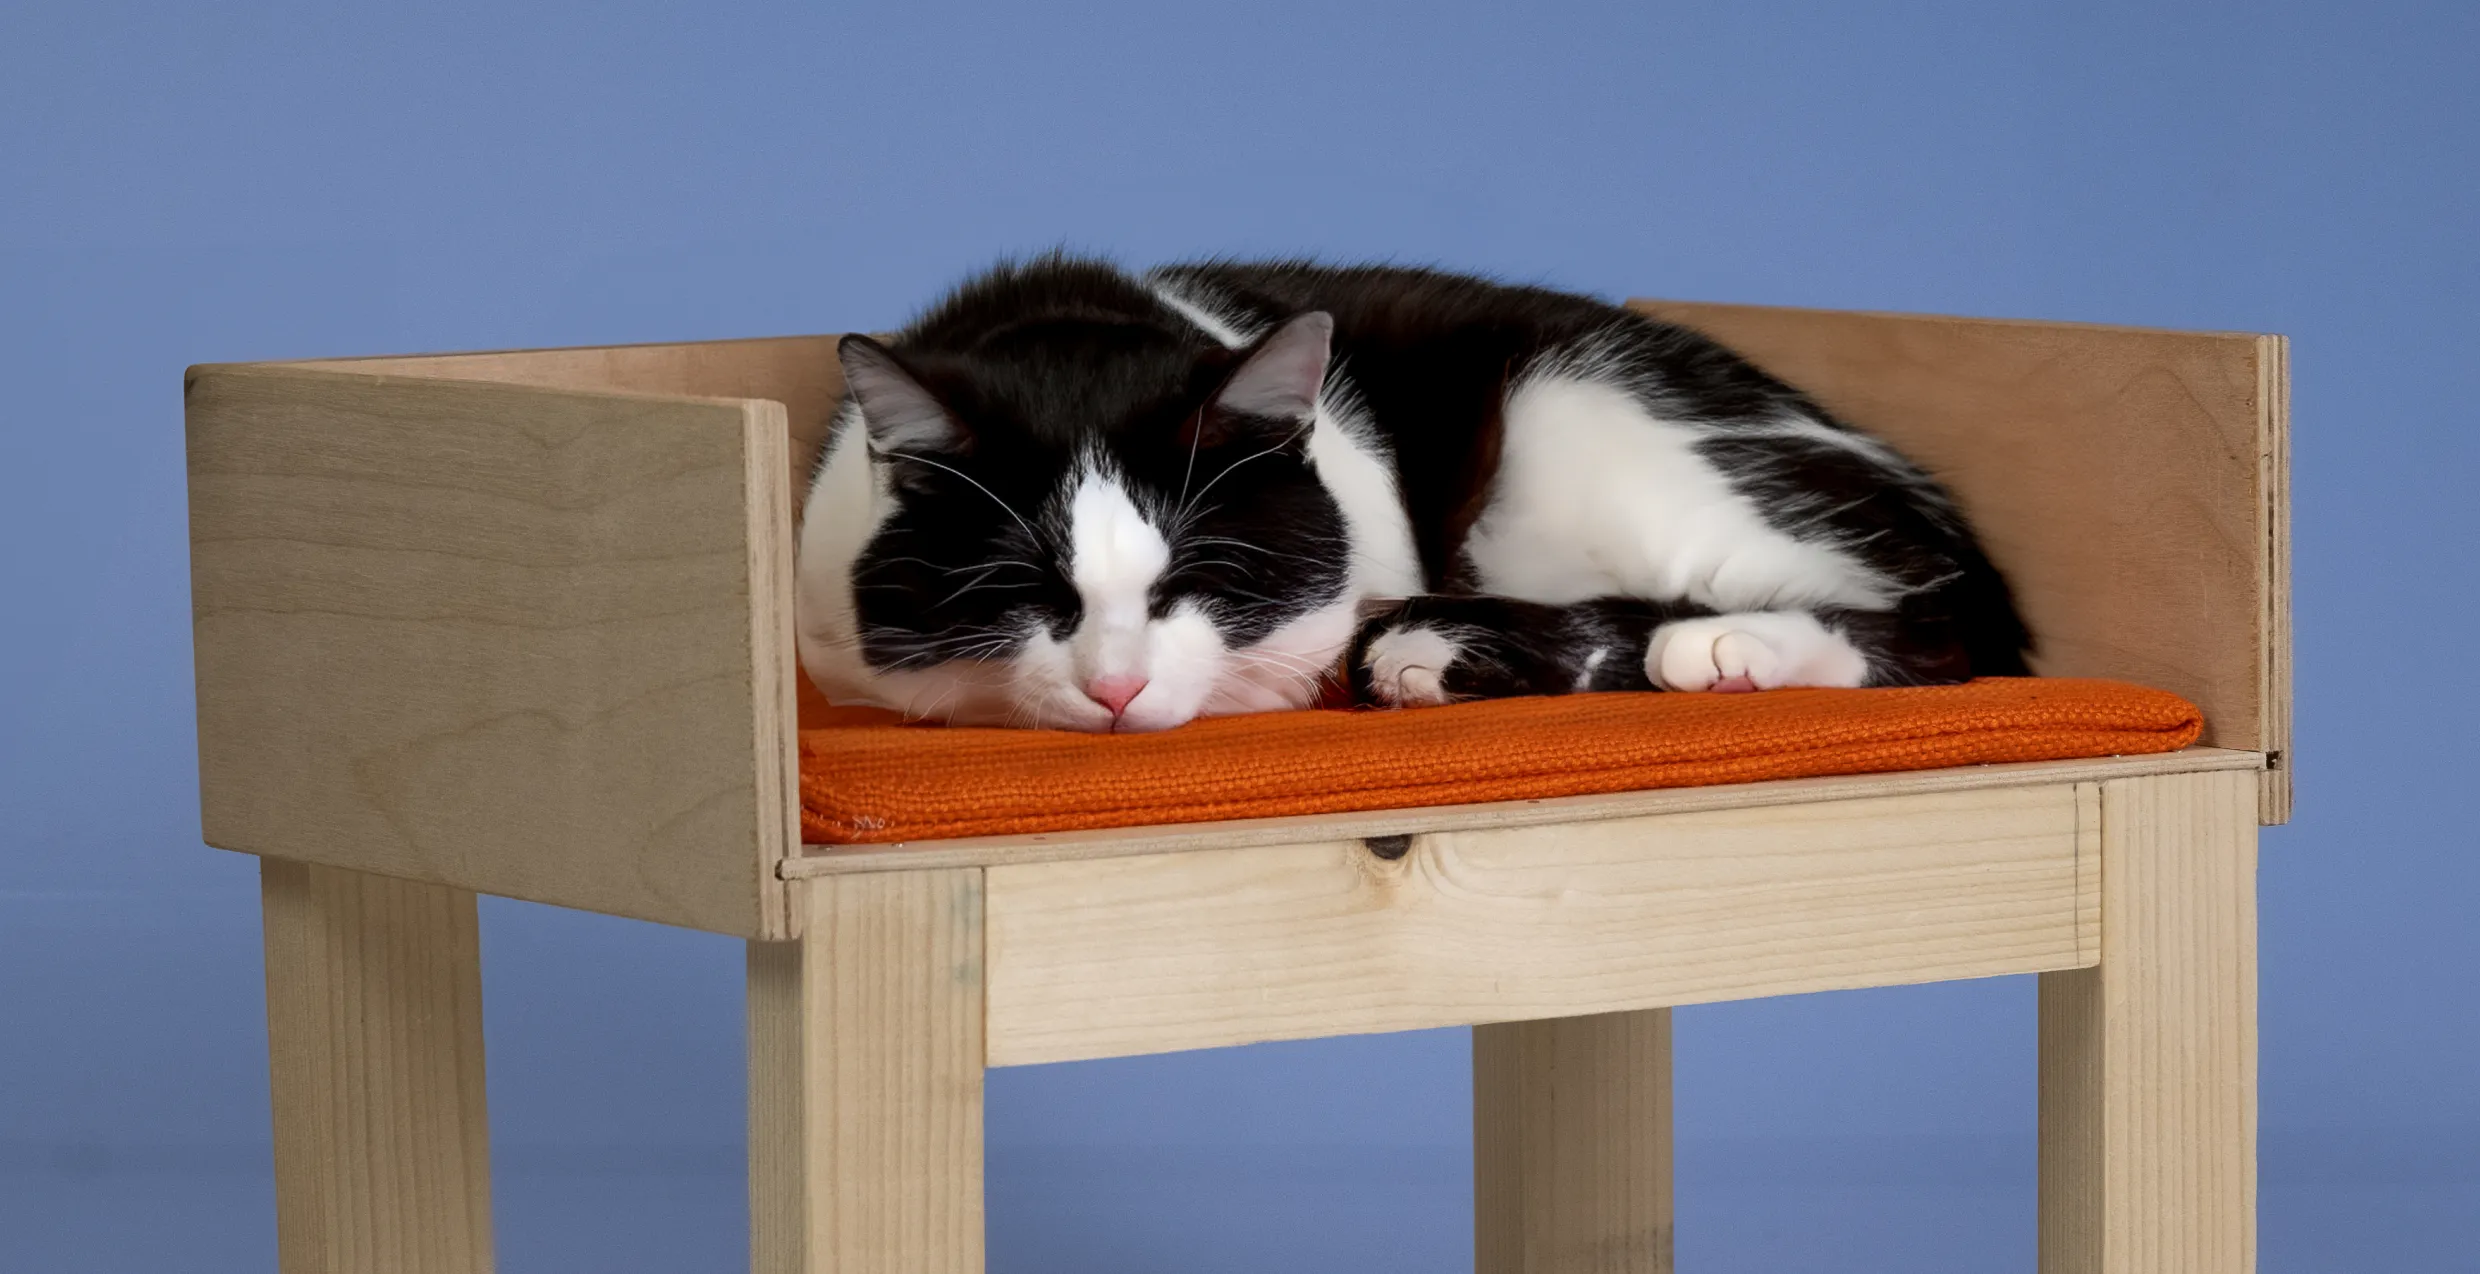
(1754, 650)
(1407, 666)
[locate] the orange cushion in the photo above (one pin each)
(866, 778)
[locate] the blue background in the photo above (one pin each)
(183, 183)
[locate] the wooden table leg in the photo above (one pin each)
(1572, 1145)
(865, 1079)
(374, 1044)
(2148, 1061)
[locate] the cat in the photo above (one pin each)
(1074, 497)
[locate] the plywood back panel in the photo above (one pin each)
(524, 641)
(2133, 484)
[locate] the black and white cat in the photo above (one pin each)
(1068, 496)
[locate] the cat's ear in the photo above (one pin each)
(1280, 379)
(901, 415)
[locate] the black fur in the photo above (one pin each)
(1432, 354)
(1035, 362)
(1526, 648)
(1038, 362)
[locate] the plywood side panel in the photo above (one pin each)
(800, 372)
(2126, 479)
(522, 641)
(1104, 957)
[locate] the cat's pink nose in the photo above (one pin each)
(1114, 692)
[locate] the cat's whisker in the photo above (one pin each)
(976, 582)
(1278, 447)
(991, 564)
(1196, 433)
(1279, 658)
(994, 496)
(941, 702)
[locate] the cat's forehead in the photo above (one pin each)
(1061, 383)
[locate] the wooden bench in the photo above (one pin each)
(520, 624)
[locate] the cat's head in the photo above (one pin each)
(1084, 523)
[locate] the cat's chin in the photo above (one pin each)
(1231, 697)
(1032, 698)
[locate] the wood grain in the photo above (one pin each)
(778, 1180)
(2274, 366)
(865, 1084)
(374, 1049)
(2148, 1059)
(2131, 482)
(2134, 482)
(1125, 842)
(1572, 1145)
(1105, 957)
(800, 372)
(523, 641)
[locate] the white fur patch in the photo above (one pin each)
(1773, 649)
(1115, 556)
(1592, 664)
(1287, 668)
(1228, 331)
(847, 502)
(1596, 497)
(1825, 435)
(1408, 666)
(1360, 476)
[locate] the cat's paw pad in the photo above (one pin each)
(1408, 666)
(1761, 650)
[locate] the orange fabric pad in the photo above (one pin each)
(868, 779)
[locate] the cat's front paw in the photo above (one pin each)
(1407, 665)
(1753, 650)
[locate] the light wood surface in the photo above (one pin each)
(2148, 1059)
(2131, 482)
(865, 1083)
(1572, 1145)
(1105, 957)
(801, 372)
(523, 641)
(778, 1181)
(374, 1048)
(1124, 842)
(2274, 366)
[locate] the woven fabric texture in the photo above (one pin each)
(868, 779)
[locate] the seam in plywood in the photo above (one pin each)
(2276, 788)
(774, 708)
